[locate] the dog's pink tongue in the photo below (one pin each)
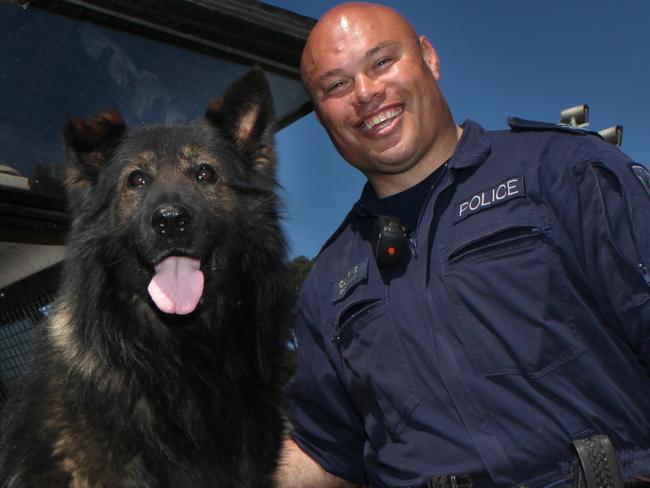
(177, 286)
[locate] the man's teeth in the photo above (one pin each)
(382, 117)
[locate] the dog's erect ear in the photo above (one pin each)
(245, 113)
(90, 143)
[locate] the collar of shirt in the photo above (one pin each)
(473, 148)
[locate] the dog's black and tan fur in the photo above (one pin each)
(122, 394)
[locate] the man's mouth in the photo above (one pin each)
(381, 119)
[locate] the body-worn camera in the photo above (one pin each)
(388, 237)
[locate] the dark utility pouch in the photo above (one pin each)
(597, 465)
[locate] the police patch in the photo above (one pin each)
(357, 273)
(643, 175)
(511, 188)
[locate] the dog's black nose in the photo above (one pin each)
(171, 220)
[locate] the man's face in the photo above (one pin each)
(375, 87)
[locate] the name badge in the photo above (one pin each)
(356, 274)
(507, 190)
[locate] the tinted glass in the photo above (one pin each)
(53, 67)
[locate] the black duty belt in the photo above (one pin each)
(450, 481)
(597, 465)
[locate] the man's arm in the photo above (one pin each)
(298, 470)
(603, 204)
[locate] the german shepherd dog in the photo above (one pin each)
(160, 364)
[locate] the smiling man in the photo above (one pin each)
(374, 83)
(505, 341)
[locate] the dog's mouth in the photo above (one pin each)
(177, 285)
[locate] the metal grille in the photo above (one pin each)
(22, 308)
(16, 335)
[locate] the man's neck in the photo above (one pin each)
(386, 185)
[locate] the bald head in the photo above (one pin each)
(345, 24)
(374, 83)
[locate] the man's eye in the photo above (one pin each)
(384, 61)
(334, 86)
(137, 178)
(206, 174)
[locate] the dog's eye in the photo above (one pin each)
(206, 174)
(136, 178)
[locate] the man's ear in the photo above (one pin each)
(430, 56)
(245, 114)
(89, 144)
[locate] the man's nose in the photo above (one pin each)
(366, 89)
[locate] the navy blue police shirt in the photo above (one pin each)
(519, 322)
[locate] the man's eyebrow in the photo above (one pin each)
(327, 74)
(368, 54)
(372, 51)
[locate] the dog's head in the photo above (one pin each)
(173, 206)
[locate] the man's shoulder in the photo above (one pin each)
(519, 125)
(338, 234)
(336, 246)
(530, 134)
(549, 142)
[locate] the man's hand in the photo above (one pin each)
(298, 470)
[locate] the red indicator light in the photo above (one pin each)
(391, 250)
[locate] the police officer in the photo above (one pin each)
(509, 343)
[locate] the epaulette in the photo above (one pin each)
(520, 125)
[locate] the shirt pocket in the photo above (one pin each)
(506, 280)
(373, 362)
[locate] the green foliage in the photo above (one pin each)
(297, 271)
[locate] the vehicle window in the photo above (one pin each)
(53, 67)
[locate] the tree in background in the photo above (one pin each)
(297, 271)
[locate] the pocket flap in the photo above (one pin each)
(525, 219)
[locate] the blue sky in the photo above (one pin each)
(529, 58)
